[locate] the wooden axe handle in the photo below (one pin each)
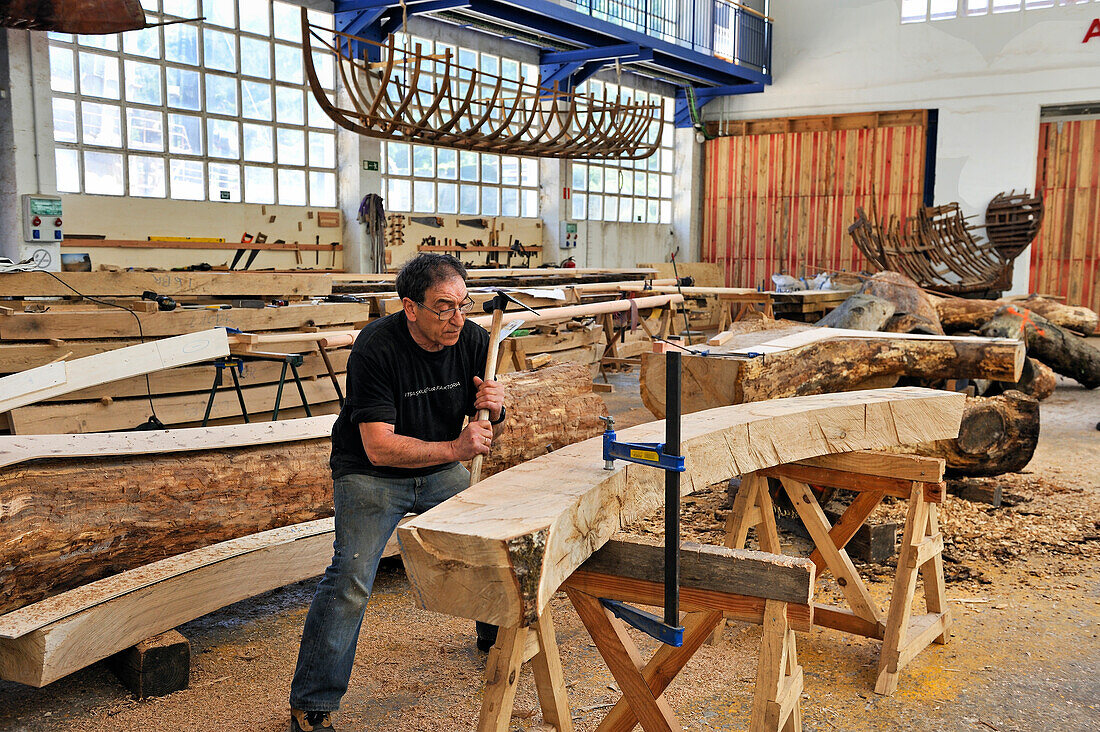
(490, 375)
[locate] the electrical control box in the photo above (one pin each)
(569, 236)
(40, 243)
(42, 222)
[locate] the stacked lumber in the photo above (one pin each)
(171, 491)
(43, 319)
(806, 306)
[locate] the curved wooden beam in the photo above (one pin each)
(385, 106)
(498, 551)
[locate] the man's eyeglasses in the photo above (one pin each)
(445, 315)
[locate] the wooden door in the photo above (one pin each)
(1065, 256)
(779, 194)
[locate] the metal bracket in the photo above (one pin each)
(643, 453)
(648, 623)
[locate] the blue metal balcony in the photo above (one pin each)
(720, 28)
(708, 48)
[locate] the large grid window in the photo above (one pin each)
(919, 11)
(637, 191)
(439, 180)
(213, 110)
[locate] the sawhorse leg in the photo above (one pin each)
(921, 553)
(513, 647)
(779, 677)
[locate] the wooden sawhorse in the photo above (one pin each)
(515, 646)
(777, 593)
(873, 476)
(743, 302)
(773, 592)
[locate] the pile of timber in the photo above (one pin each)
(172, 491)
(806, 306)
(851, 349)
(43, 321)
(1054, 334)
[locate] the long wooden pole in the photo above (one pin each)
(546, 315)
(490, 375)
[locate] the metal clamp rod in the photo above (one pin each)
(672, 489)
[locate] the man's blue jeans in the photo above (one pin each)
(367, 511)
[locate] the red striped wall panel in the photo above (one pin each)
(1065, 257)
(779, 195)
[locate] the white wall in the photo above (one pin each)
(987, 75)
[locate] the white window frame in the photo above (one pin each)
(593, 201)
(921, 11)
(318, 186)
(404, 190)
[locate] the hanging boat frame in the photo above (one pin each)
(516, 118)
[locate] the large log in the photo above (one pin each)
(498, 551)
(124, 511)
(834, 365)
(861, 312)
(958, 314)
(1067, 354)
(909, 300)
(1074, 317)
(998, 435)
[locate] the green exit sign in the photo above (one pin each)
(371, 165)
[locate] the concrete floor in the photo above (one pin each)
(1024, 653)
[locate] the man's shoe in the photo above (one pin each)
(309, 721)
(486, 636)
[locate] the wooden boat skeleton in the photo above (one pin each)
(938, 247)
(473, 110)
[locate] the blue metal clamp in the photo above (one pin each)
(643, 453)
(650, 624)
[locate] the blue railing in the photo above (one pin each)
(720, 28)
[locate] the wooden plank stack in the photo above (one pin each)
(46, 318)
(807, 306)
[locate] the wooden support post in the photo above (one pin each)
(514, 646)
(156, 666)
(921, 554)
(778, 676)
(501, 679)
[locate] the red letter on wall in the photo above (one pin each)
(1094, 31)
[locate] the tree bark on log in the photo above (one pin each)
(998, 435)
(958, 314)
(830, 366)
(859, 312)
(1074, 317)
(1037, 380)
(1064, 352)
(908, 298)
(64, 523)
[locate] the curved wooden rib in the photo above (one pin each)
(498, 551)
(389, 103)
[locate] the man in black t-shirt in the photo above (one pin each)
(412, 379)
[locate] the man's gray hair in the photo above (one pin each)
(425, 270)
